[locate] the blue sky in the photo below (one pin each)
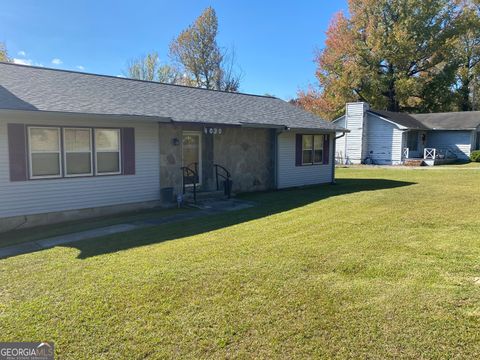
(274, 41)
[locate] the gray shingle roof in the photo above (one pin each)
(402, 119)
(41, 89)
(465, 120)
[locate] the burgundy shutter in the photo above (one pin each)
(128, 151)
(298, 150)
(326, 149)
(17, 152)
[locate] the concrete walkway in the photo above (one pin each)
(208, 207)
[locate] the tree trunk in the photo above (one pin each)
(465, 102)
(393, 104)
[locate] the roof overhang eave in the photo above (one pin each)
(262, 126)
(316, 130)
(456, 129)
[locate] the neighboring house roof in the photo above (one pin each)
(403, 119)
(40, 89)
(465, 120)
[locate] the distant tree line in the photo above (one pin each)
(196, 59)
(399, 55)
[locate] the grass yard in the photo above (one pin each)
(385, 264)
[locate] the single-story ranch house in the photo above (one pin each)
(384, 137)
(75, 144)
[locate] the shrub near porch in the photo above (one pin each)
(382, 265)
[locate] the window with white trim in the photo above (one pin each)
(107, 151)
(77, 143)
(56, 152)
(44, 152)
(318, 149)
(307, 148)
(312, 149)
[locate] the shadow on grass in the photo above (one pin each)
(268, 203)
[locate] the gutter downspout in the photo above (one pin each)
(275, 157)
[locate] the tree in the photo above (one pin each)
(144, 67)
(4, 53)
(394, 54)
(170, 75)
(197, 53)
(148, 67)
(467, 55)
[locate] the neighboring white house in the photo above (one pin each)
(75, 144)
(384, 137)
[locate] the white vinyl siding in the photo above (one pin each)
(355, 138)
(384, 141)
(290, 175)
(43, 196)
(460, 142)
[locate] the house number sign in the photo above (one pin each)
(212, 131)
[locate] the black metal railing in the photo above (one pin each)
(222, 172)
(190, 177)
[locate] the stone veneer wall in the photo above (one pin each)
(248, 154)
(170, 157)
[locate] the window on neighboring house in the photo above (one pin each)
(44, 152)
(107, 151)
(78, 151)
(312, 149)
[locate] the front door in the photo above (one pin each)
(192, 151)
(412, 144)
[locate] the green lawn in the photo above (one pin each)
(462, 165)
(385, 264)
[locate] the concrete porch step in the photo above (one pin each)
(204, 195)
(413, 162)
(219, 205)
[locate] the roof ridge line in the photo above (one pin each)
(130, 79)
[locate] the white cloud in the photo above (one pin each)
(56, 61)
(28, 62)
(80, 67)
(23, 61)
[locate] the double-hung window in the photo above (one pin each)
(312, 149)
(78, 151)
(44, 152)
(318, 149)
(107, 151)
(56, 152)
